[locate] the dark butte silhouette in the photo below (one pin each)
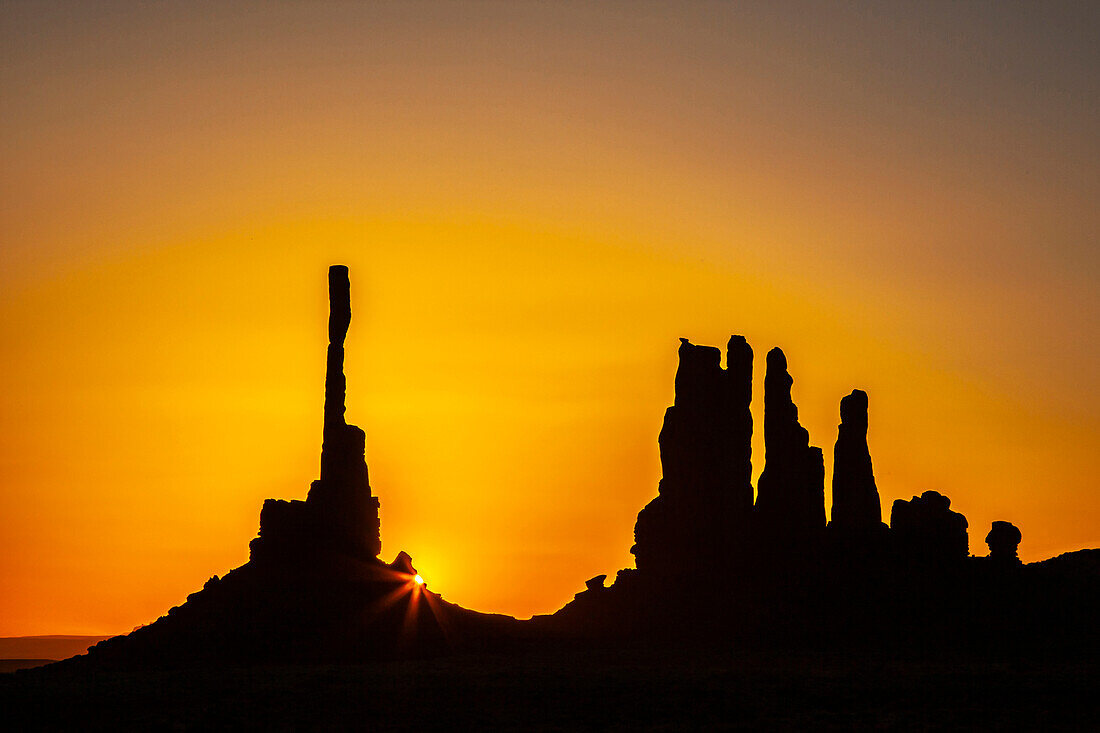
(715, 570)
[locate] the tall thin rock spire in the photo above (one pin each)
(339, 514)
(791, 492)
(856, 503)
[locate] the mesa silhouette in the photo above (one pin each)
(717, 567)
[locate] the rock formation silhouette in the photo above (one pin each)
(714, 568)
(339, 514)
(1003, 539)
(705, 496)
(926, 530)
(790, 496)
(856, 505)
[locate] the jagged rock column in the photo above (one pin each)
(791, 492)
(856, 506)
(705, 495)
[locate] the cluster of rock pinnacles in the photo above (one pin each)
(705, 509)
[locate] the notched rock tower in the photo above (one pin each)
(705, 497)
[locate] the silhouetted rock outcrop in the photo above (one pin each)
(790, 496)
(314, 588)
(1003, 539)
(339, 513)
(856, 507)
(705, 495)
(926, 530)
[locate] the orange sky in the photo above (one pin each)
(535, 201)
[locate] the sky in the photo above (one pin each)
(536, 200)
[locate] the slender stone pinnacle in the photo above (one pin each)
(856, 503)
(339, 319)
(790, 493)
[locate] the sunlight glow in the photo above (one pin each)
(418, 580)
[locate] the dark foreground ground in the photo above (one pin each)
(569, 691)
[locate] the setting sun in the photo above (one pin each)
(418, 580)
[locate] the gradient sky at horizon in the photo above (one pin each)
(536, 200)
